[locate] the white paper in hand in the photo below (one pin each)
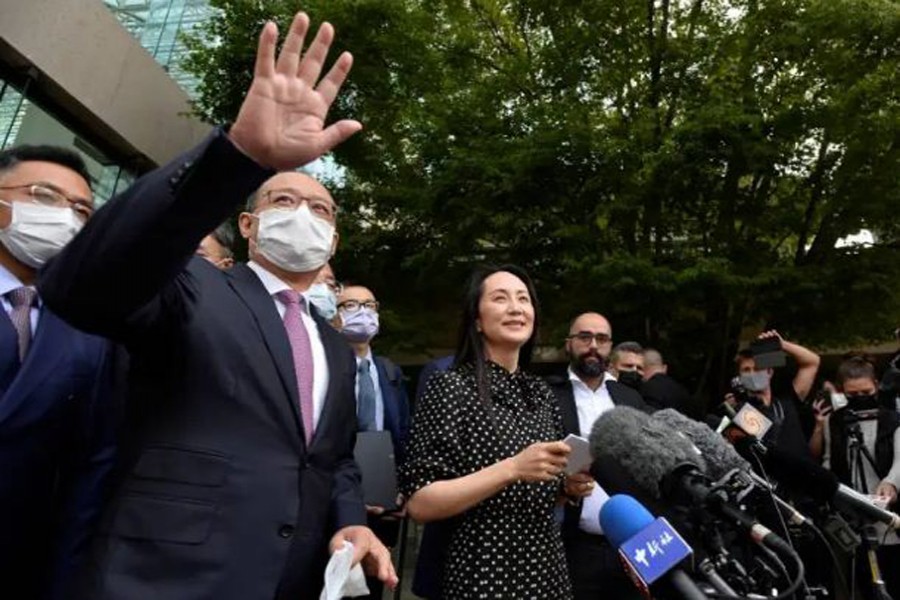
(340, 579)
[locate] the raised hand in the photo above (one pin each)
(281, 124)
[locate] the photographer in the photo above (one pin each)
(890, 381)
(862, 447)
(754, 385)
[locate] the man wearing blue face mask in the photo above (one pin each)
(324, 292)
(382, 403)
(783, 406)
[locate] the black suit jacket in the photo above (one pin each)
(621, 395)
(219, 497)
(661, 391)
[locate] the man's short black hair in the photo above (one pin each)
(64, 157)
(224, 234)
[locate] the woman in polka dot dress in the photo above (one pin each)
(483, 452)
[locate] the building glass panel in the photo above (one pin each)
(159, 25)
(22, 121)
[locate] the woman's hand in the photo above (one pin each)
(888, 491)
(579, 485)
(541, 461)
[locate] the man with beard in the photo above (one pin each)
(587, 392)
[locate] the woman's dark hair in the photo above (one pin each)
(470, 344)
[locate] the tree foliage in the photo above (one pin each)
(686, 167)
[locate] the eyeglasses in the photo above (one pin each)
(42, 194)
(289, 199)
(585, 337)
(355, 305)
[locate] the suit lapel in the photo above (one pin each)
(333, 358)
(569, 411)
(388, 398)
(253, 293)
(47, 350)
(9, 353)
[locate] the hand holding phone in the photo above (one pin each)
(580, 458)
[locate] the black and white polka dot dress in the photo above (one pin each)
(508, 546)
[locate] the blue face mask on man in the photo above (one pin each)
(324, 299)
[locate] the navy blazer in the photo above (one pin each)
(57, 447)
(220, 495)
(396, 404)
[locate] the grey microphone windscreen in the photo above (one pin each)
(720, 456)
(646, 450)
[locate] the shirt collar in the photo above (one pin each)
(575, 378)
(368, 356)
(272, 283)
(9, 282)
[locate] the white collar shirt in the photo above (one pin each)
(590, 404)
(274, 285)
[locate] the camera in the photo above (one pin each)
(741, 395)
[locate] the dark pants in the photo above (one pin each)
(386, 530)
(595, 569)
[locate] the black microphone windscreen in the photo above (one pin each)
(719, 455)
(645, 449)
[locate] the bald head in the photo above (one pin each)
(358, 293)
(289, 180)
(588, 345)
(590, 321)
(653, 363)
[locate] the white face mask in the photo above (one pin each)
(294, 240)
(37, 232)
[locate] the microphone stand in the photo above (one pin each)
(859, 455)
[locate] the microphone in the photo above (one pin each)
(747, 424)
(650, 549)
(806, 477)
(722, 459)
(667, 466)
(625, 439)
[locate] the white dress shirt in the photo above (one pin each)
(9, 282)
(274, 285)
(590, 404)
(379, 401)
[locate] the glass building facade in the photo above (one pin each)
(23, 120)
(159, 25)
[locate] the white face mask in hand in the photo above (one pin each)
(294, 240)
(36, 232)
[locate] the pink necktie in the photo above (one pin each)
(22, 300)
(302, 352)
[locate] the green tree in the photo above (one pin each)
(687, 167)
